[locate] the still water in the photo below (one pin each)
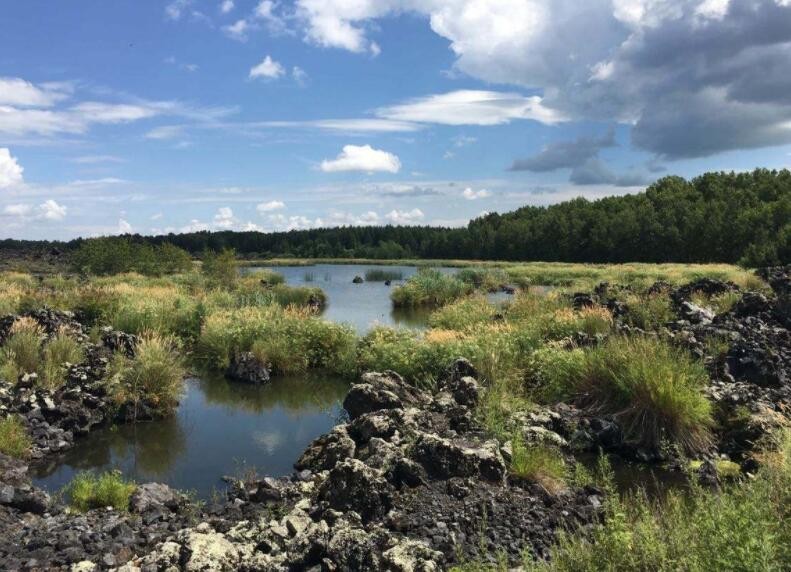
(362, 306)
(220, 428)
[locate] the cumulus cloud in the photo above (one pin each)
(226, 6)
(694, 77)
(471, 107)
(238, 30)
(10, 169)
(176, 9)
(362, 158)
(124, 227)
(270, 206)
(268, 69)
(405, 217)
(20, 93)
(471, 195)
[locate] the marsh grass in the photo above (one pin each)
(87, 491)
(14, 439)
(58, 353)
(429, 287)
(538, 463)
(649, 311)
(652, 388)
(743, 527)
(154, 376)
(489, 279)
(720, 303)
(463, 314)
(382, 275)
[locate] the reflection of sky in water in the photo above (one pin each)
(219, 427)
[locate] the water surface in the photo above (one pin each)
(220, 428)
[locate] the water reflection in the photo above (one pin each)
(218, 427)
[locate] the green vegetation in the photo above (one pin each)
(652, 388)
(538, 463)
(87, 491)
(113, 255)
(155, 375)
(220, 267)
(27, 350)
(429, 287)
(745, 527)
(14, 440)
(648, 311)
(381, 275)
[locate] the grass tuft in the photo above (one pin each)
(14, 439)
(87, 491)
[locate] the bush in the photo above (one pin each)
(114, 255)
(489, 279)
(14, 440)
(220, 267)
(649, 311)
(87, 491)
(652, 388)
(155, 376)
(382, 275)
(429, 287)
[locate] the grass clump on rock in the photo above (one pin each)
(539, 463)
(652, 388)
(14, 439)
(87, 491)
(154, 376)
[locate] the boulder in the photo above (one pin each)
(411, 556)
(353, 485)
(153, 496)
(327, 451)
(248, 368)
(443, 458)
(365, 398)
(357, 280)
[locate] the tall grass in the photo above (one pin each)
(747, 526)
(21, 352)
(652, 388)
(539, 463)
(489, 279)
(382, 275)
(463, 314)
(14, 439)
(648, 311)
(429, 287)
(87, 491)
(154, 376)
(59, 352)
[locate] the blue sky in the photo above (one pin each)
(168, 116)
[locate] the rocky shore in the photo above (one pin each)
(410, 482)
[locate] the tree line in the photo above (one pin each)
(716, 217)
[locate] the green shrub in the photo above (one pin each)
(220, 268)
(14, 440)
(652, 388)
(484, 278)
(87, 491)
(299, 296)
(155, 375)
(114, 255)
(552, 371)
(429, 287)
(382, 275)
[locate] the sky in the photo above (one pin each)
(182, 115)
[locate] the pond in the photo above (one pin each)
(220, 428)
(360, 305)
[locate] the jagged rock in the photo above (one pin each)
(365, 398)
(751, 304)
(248, 368)
(581, 300)
(16, 490)
(694, 313)
(353, 485)
(327, 451)
(153, 496)
(357, 280)
(120, 342)
(465, 391)
(444, 459)
(411, 556)
(461, 367)
(353, 549)
(381, 424)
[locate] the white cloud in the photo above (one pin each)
(165, 132)
(226, 6)
(50, 210)
(251, 226)
(238, 30)
(362, 158)
(94, 159)
(300, 76)
(156, 216)
(175, 10)
(10, 169)
(20, 93)
(405, 217)
(20, 210)
(471, 107)
(270, 206)
(471, 195)
(224, 218)
(113, 113)
(124, 227)
(268, 68)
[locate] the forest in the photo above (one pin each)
(731, 217)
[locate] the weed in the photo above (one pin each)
(14, 439)
(87, 491)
